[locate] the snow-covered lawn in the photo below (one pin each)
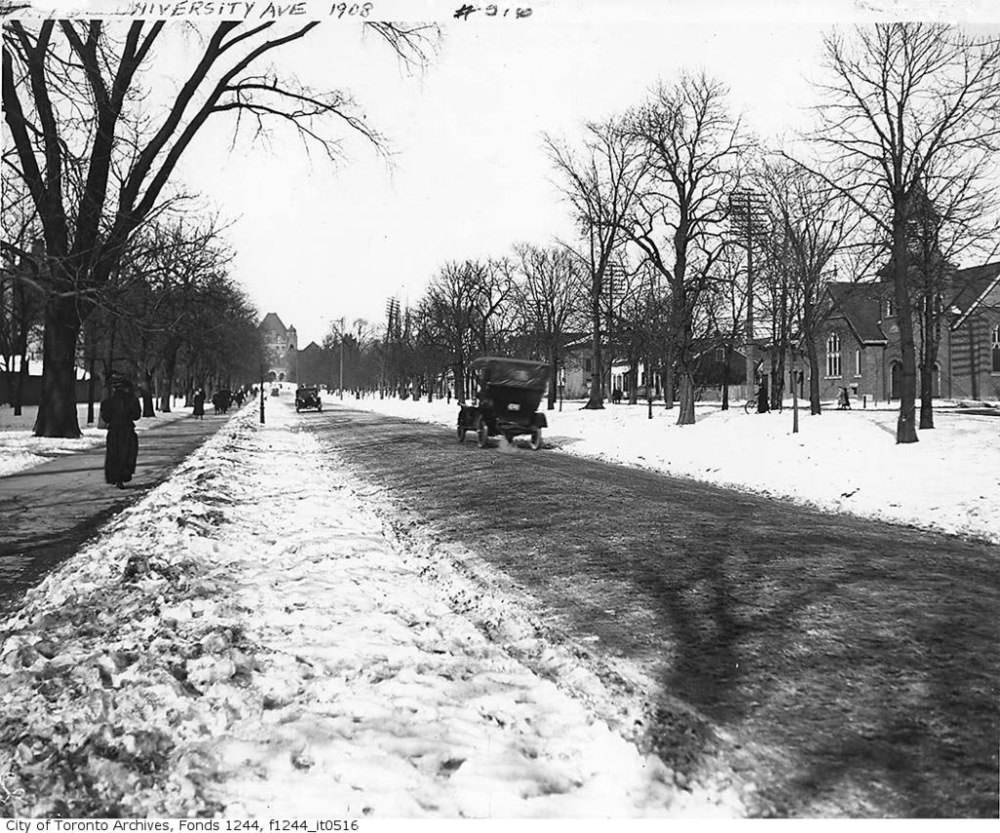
(20, 450)
(839, 461)
(250, 639)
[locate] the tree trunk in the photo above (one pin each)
(685, 415)
(550, 400)
(57, 405)
(91, 384)
(19, 381)
(16, 384)
(815, 406)
(727, 357)
(926, 396)
(147, 394)
(459, 374)
(685, 370)
(595, 401)
(633, 377)
(170, 365)
(906, 426)
(668, 376)
(929, 353)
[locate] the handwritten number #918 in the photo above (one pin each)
(464, 11)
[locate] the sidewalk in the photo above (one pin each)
(48, 511)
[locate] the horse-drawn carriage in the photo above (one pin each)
(510, 391)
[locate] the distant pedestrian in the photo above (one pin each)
(843, 400)
(119, 412)
(199, 404)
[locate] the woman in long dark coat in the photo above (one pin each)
(199, 404)
(119, 412)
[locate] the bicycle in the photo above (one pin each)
(750, 406)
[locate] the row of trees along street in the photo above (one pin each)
(694, 235)
(90, 158)
(169, 311)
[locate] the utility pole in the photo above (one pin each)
(615, 291)
(746, 215)
(392, 323)
(341, 357)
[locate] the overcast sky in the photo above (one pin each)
(469, 176)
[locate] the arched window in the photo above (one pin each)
(833, 355)
(996, 349)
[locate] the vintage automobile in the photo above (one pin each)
(510, 391)
(307, 397)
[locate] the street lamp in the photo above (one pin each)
(261, 393)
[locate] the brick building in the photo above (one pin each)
(281, 347)
(859, 343)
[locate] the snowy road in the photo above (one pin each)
(758, 614)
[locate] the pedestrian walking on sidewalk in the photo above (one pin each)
(199, 404)
(119, 412)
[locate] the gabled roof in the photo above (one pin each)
(312, 347)
(273, 324)
(860, 304)
(972, 286)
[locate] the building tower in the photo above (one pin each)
(281, 345)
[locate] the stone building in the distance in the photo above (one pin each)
(281, 347)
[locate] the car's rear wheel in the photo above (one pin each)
(461, 433)
(482, 432)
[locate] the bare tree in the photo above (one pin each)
(937, 236)
(600, 183)
(547, 301)
(725, 305)
(97, 165)
(811, 224)
(694, 145)
(453, 300)
(909, 107)
(21, 298)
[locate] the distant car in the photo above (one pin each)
(308, 398)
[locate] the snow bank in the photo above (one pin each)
(250, 639)
(839, 461)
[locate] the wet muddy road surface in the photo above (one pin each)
(854, 666)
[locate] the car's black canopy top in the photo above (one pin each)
(511, 373)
